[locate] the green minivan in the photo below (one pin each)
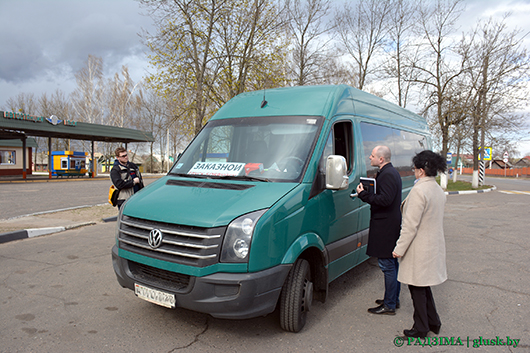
(260, 210)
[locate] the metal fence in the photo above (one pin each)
(514, 172)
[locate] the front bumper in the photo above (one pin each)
(222, 295)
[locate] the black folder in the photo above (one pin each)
(369, 184)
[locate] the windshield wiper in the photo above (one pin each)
(244, 177)
(190, 175)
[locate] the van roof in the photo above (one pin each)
(327, 101)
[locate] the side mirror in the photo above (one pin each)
(336, 173)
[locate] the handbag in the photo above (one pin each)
(113, 195)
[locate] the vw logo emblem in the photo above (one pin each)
(155, 238)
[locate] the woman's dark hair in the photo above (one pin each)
(430, 162)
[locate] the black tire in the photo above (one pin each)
(297, 296)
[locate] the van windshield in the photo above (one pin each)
(268, 149)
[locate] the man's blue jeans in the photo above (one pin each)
(390, 268)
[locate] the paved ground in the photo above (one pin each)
(58, 293)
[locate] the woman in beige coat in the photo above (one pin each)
(421, 245)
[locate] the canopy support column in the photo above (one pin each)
(93, 164)
(24, 159)
(49, 157)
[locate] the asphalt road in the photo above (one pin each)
(58, 293)
(23, 198)
(504, 184)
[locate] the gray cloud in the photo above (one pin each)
(43, 43)
(45, 38)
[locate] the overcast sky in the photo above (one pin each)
(44, 42)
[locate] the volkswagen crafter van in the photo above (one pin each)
(260, 210)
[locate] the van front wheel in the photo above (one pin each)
(297, 296)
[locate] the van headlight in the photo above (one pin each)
(118, 223)
(236, 244)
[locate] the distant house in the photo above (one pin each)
(523, 162)
(466, 159)
(498, 163)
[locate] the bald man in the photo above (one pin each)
(385, 226)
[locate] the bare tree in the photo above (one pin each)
(57, 104)
(338, 72)
(248, 32)
(362, 28)
(121, 99)
(438, 72)
(499, 68)
(309, 29)
(206, 51)
(404, 53)
(23, 103)
(153, 118)
(182, 52)
(178, 138)
(88, 98)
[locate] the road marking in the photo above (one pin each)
(515, 192)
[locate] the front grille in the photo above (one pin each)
(172, 281)
(180, 244)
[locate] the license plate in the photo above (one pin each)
(154, 296)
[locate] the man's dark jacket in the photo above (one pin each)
(120, 175)
(385, 219)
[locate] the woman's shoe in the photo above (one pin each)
(413, 333)
(435, 329)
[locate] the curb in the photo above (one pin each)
(466, 192)
(36, 232)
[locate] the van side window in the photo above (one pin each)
(340, 143)
(403, 145)
(406, 145)
(343, 144)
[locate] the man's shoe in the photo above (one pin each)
(413, 333)
(382, 310)
(381, 302)
(435, 329)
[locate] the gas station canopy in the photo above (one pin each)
(19, 125)
(16, 126)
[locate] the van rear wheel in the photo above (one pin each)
(297, 297)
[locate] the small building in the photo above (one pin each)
(465, 159)
(11, 158)
(69, 163)
(40, 163)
